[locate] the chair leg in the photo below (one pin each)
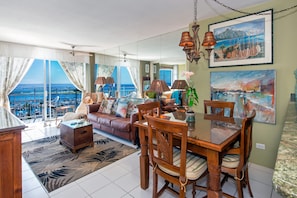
(194, 189)
(155, 185)
(247, 181)
(239, 188)
(182, 192)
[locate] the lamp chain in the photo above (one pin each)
(242, 12)
(195, 10)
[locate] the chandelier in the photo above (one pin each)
(192, 44)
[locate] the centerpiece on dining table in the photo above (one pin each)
(191, 96)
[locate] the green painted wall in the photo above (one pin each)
(284, 44)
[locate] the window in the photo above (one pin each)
(123, 82)
(166, 75)
(45, 83)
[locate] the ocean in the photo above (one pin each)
(26, 100)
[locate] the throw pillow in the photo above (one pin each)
(122, 109)
(107, 108)
(132, 106)
(102, 106)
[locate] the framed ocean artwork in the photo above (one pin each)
(243, 41)
(249, 90)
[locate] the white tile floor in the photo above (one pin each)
(121, 179)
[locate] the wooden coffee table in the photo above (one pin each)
(76, 134)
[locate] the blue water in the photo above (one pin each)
(34, 93)
(28, 99)
(243, 41)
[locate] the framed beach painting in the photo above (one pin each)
(243, 41)
(249, 90)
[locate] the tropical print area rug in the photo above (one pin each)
(55, 165)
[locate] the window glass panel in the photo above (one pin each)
(166, 75)
(27, 98)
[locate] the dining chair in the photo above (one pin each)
(150, 108)
(222, 108)
(235, 162)
(177, 166)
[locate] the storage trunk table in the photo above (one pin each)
(76, 134)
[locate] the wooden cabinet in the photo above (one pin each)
(10, 155)
(76, 136)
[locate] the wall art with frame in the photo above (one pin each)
(243, 41)
(249, 90)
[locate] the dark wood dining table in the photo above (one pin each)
(209, 136)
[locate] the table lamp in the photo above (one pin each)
(180, 85)
(159, 86)
(109, 81)
(100, 81)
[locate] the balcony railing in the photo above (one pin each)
(28, 103)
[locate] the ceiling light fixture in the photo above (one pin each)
(192, 44)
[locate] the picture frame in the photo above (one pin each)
(254, 89)
(147, 68)
(243, 41)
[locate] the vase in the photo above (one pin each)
(190, 116)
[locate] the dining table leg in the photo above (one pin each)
(214, 168)
(144, 160)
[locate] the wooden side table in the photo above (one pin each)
(76, 134)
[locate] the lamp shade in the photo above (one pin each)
(109, 80)
(100, 80)
(159, 86)
(209, 40)
(179, 84)
(186, 40)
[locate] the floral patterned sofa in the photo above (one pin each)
(116, 116)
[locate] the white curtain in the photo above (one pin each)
(76, 73)
(12, 71)
(134, 71)
(105, 70)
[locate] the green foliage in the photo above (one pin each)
(192, 96)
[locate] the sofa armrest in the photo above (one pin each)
(93, 107)
(133, 118)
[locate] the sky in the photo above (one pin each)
(35, 74)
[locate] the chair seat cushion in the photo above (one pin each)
(230, 161)
(195, 167)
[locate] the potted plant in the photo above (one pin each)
(191, 96)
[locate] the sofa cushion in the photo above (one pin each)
(94, 116)
(105, 119)
(122, 124)
(122, 109)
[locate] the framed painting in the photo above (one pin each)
(249, 90)
(243, 41)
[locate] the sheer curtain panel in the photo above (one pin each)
(12, 72)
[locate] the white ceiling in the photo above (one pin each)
(110, 27)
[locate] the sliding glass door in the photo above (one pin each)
(44, 87)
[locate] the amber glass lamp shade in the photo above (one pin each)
(186, 40)
(209, 40)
